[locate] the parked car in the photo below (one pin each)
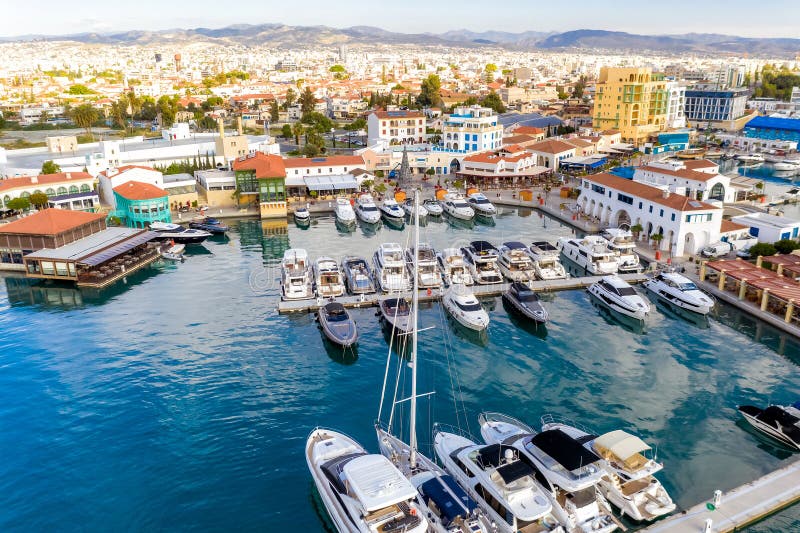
(717, 249)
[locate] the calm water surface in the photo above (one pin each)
(181, 400)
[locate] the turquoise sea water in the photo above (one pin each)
(181, 400)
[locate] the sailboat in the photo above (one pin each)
(446, 506)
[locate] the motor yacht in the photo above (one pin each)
(621, 241)
(178, 234)
(408, 209)
(526, 302)
(428, 274)
(481, 259)
(590, 253)
(302, 216)
(507, 485)
(455, 206)
(344, 212)
(481, 205)
(618, 295)
(296, 280)
(779, 422)
(357, 275)
(366, 209)
(328, 278)
(546, 262)
(433, 206)
(628, 467)
(397, 314)
(363, 493)
(678, 290)
(209, 224)
(515, 263)
(454, 267)
(787, 165)
(391, 274)
(573, 471)
(465, 308)
(750, 158)
(337, 324)
(392, 212)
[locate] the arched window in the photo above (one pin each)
(62, 190)
(73, 189)
(6, 199)
(50, 191)
(85, 188)
(717, 192)
(38, 191)
(25, 194)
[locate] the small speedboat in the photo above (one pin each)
(337, 325)
(209, 224)
(397, 313)
(678, 290)
(408, 208)
(465, 308)
(344, 212)
(618, 295)
(172, 252)
(750, 158)
(455, 206)
(357, 275)
(779, 422)
(526, 302)
(481, 205)
(433, 207)
(177, 233)
(302, 216)
(787, 165)
(366, 209)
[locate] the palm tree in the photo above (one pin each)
(298, 130)
(84, 116)
(657, 238)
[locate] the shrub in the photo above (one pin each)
(762, 248)
(786, 246)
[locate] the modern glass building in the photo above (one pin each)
(704, 106)
(785, 129)
(139, 204)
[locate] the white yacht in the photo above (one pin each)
(621, 241)
(428, 274)
(778, 421)
(455, 206)
(481, 259)
(465, 308)
(618, 295)
(363, 493)
(750, 158)
(787, 165)
(433, 206)
(627, 481)
(454, 267)
(390, 269)
(408, 208)
(392, 212)
(296, 281)
(591, 253)
(481, 205)
(328, 278)
(366, 209)
(678, 290)
(573, 471)
(507, 485)
(546, 262)
(344, 212)
(515, 263)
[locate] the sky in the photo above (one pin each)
(765, 18)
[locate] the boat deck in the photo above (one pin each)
(370, 300)
(739, 507)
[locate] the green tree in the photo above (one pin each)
(318, 122)
(84, 116)
(79, 89)
(274, 111)
(291, 97)
(579, 87)
(786, 246)
(763, 249)
(307, 100)
(429, 92)
(49, 167)
(493, 101)
(337, 68)
(168, 107)
(358, 124)
(286, 131)
(38, 200)
(18, 204)
(298, 129)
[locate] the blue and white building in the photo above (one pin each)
(471, 129)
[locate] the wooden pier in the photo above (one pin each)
(739, 507)
(481, 291)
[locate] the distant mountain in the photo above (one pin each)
(284, 36)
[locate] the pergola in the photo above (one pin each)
(786, 265)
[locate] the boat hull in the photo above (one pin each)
(525, 311)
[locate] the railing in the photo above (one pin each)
(499, 417)
(550, 418)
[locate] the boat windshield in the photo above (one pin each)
(528, 296)
(689, 286)
(460, 205)
(368, 208)
(470, 307)
(337, 316)
(625, 291)
(480, 200)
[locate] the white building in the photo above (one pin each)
(551, 152)
(676, 118)
(687, 225)
(508, 162)
(107, 157)
(43, 113)
(472, 129)
(178, 131)
(396, 127)
(114, 177)
(769, 228)
(65, 190)
(699, 179)
(755, 144)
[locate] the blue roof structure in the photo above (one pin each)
(773, 123)
(535, 120)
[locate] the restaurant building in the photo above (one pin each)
(139, 204)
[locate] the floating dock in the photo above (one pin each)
(481, 291)
(739, 507)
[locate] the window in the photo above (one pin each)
(640, 205)
(661, 213)
(462, 466)
(496, 506)
(672, 217)
(708, 217)
(85, 188)
(651, 209)
(598, 188)
(626, 199)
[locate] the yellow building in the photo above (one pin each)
(631, 100)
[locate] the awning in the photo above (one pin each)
(117, 250)
(621, 444)
(330, 183)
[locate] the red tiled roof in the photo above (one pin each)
(42, 179)
(686, 174)
(519, 139)
(335, 160)
(551, 146)
(728, 225)
(678, 202)
(265, 165)
(50, 222)
(494, 157)
(528, 130)
(692, 164)
(119, 170)
(137, 190)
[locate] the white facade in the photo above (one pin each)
(769, 228)
(396, 127)
(108, 157)
(115, 177)
(178, 131)
(65, 190)
(675, 105)
(704, 184)
(686, 225)
(472, 129)
(751, 144)
(551, 152)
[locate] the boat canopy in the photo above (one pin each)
(620, 444)
(335, 309)
(377, 483)
(566, 451)
(451, 500)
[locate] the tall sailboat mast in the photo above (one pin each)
(414, 309)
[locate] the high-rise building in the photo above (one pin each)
(720, 109)
(343, 53)
(631, 100)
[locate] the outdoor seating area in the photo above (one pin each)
(111, 270)
(787, 265)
